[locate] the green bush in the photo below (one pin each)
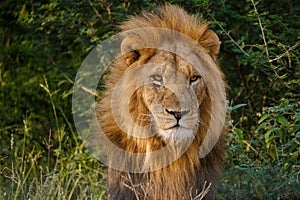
(264, 161)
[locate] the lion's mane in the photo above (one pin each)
(185, 177)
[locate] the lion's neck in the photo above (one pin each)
(171, 181)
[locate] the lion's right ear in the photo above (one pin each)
(130, 48)
(211, 42)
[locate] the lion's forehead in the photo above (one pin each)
(167, 62)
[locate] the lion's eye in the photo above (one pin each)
(157, 79)
(194, 79)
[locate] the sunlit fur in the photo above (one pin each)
(185, 177)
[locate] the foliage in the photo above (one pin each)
(43, 44)
(264, 161)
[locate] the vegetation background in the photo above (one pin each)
(43, 42)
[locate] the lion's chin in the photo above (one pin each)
(177, 135)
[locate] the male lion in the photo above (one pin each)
(165, 106)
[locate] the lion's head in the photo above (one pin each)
(163, 82)
(170, 97)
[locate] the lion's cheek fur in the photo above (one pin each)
(138, 110)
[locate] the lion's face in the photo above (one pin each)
(169, 90)
(172, 95)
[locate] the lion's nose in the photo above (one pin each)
(177, 114)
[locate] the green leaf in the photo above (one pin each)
(297, 116)
(273, 151)
(263, 118)
(231, 108)
(267, 135)
(239, 133)
(262, 125)
(282, 120)
(296, 187)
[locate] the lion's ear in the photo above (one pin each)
(211, 42)
(130, 47)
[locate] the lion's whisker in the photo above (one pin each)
(143, 114)
(145, 119)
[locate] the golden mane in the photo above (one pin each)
(185, 177)
(173, 18)
(169, 17)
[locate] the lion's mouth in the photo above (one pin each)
(175, 127)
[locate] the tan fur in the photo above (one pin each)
(184, 178)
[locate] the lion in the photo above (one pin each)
(164, 94)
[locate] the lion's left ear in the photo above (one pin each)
(130, 47)
(211, 42)
(136, 49)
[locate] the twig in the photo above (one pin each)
(285, 53)
(132, 187)
(204, 191)
(227, 33)
(95, 10)
(262, 30)
(72, 82)
(253, 149)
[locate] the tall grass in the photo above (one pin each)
(63, 169)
